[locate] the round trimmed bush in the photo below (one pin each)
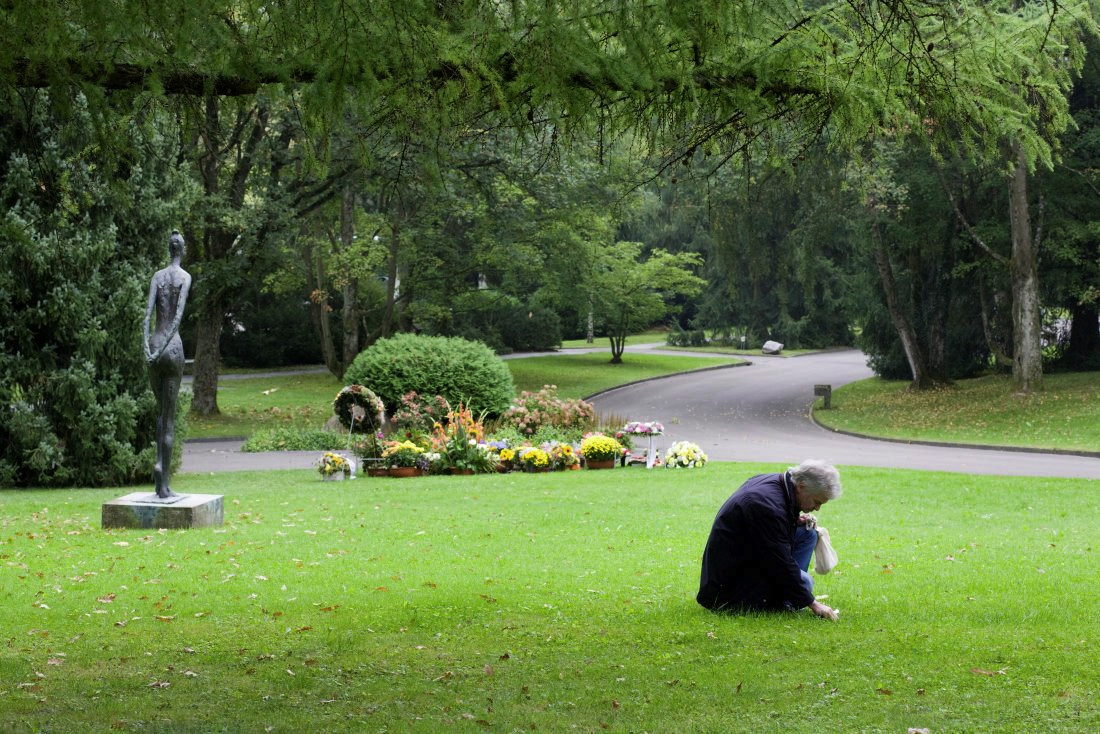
(458, 369)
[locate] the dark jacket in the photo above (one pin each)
(747, 563)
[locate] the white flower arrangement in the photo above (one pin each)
(684, 454)
(643, 428)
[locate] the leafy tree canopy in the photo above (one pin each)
(699, 72)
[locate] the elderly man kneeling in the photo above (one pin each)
(760, 544)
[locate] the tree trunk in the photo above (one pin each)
(208, 332)
(921, 379)
(220, 236)
(618, 346)
(386, 327)
(319, 310)
(590, 334)
(997, 339)
(1027, 358)
(351, 288)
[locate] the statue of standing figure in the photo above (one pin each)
(164, 354)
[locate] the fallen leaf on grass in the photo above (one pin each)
(159, 684)
(884, 691)
(990, 673)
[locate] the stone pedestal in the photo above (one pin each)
(146, 510)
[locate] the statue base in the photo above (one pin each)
(146, 510)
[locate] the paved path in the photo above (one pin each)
(762, 413)
(758, 412)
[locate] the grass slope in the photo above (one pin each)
(547, 602)
(1064, 415)
(581, 375)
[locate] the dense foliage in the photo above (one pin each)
(460, 370)
(82, 230)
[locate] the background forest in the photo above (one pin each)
(510, 173)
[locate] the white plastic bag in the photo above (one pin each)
(825, 558)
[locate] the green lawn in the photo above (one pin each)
(552, 602)
(581, 375)
(254, 403)
(1064, 415)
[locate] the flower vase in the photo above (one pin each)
(337, 476)
(405, 471)
(463, 472)
(651, 454)
(600, 463)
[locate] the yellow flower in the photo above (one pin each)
(599, 447)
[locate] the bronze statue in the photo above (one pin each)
(164, 354)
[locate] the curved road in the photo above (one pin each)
(761, 412)
(758, 412)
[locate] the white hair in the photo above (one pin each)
(821, 480)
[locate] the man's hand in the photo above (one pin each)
(825, 612)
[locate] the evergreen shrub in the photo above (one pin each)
(81, 232)
(460, 370)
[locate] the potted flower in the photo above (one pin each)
(507, 457)
(600, 451)
(459, 443)
(333, 467)
(643, 428)
(684, 454)
(404, 459)
(369, 452)
(535, 459)
(649, 430)
(562, 456)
